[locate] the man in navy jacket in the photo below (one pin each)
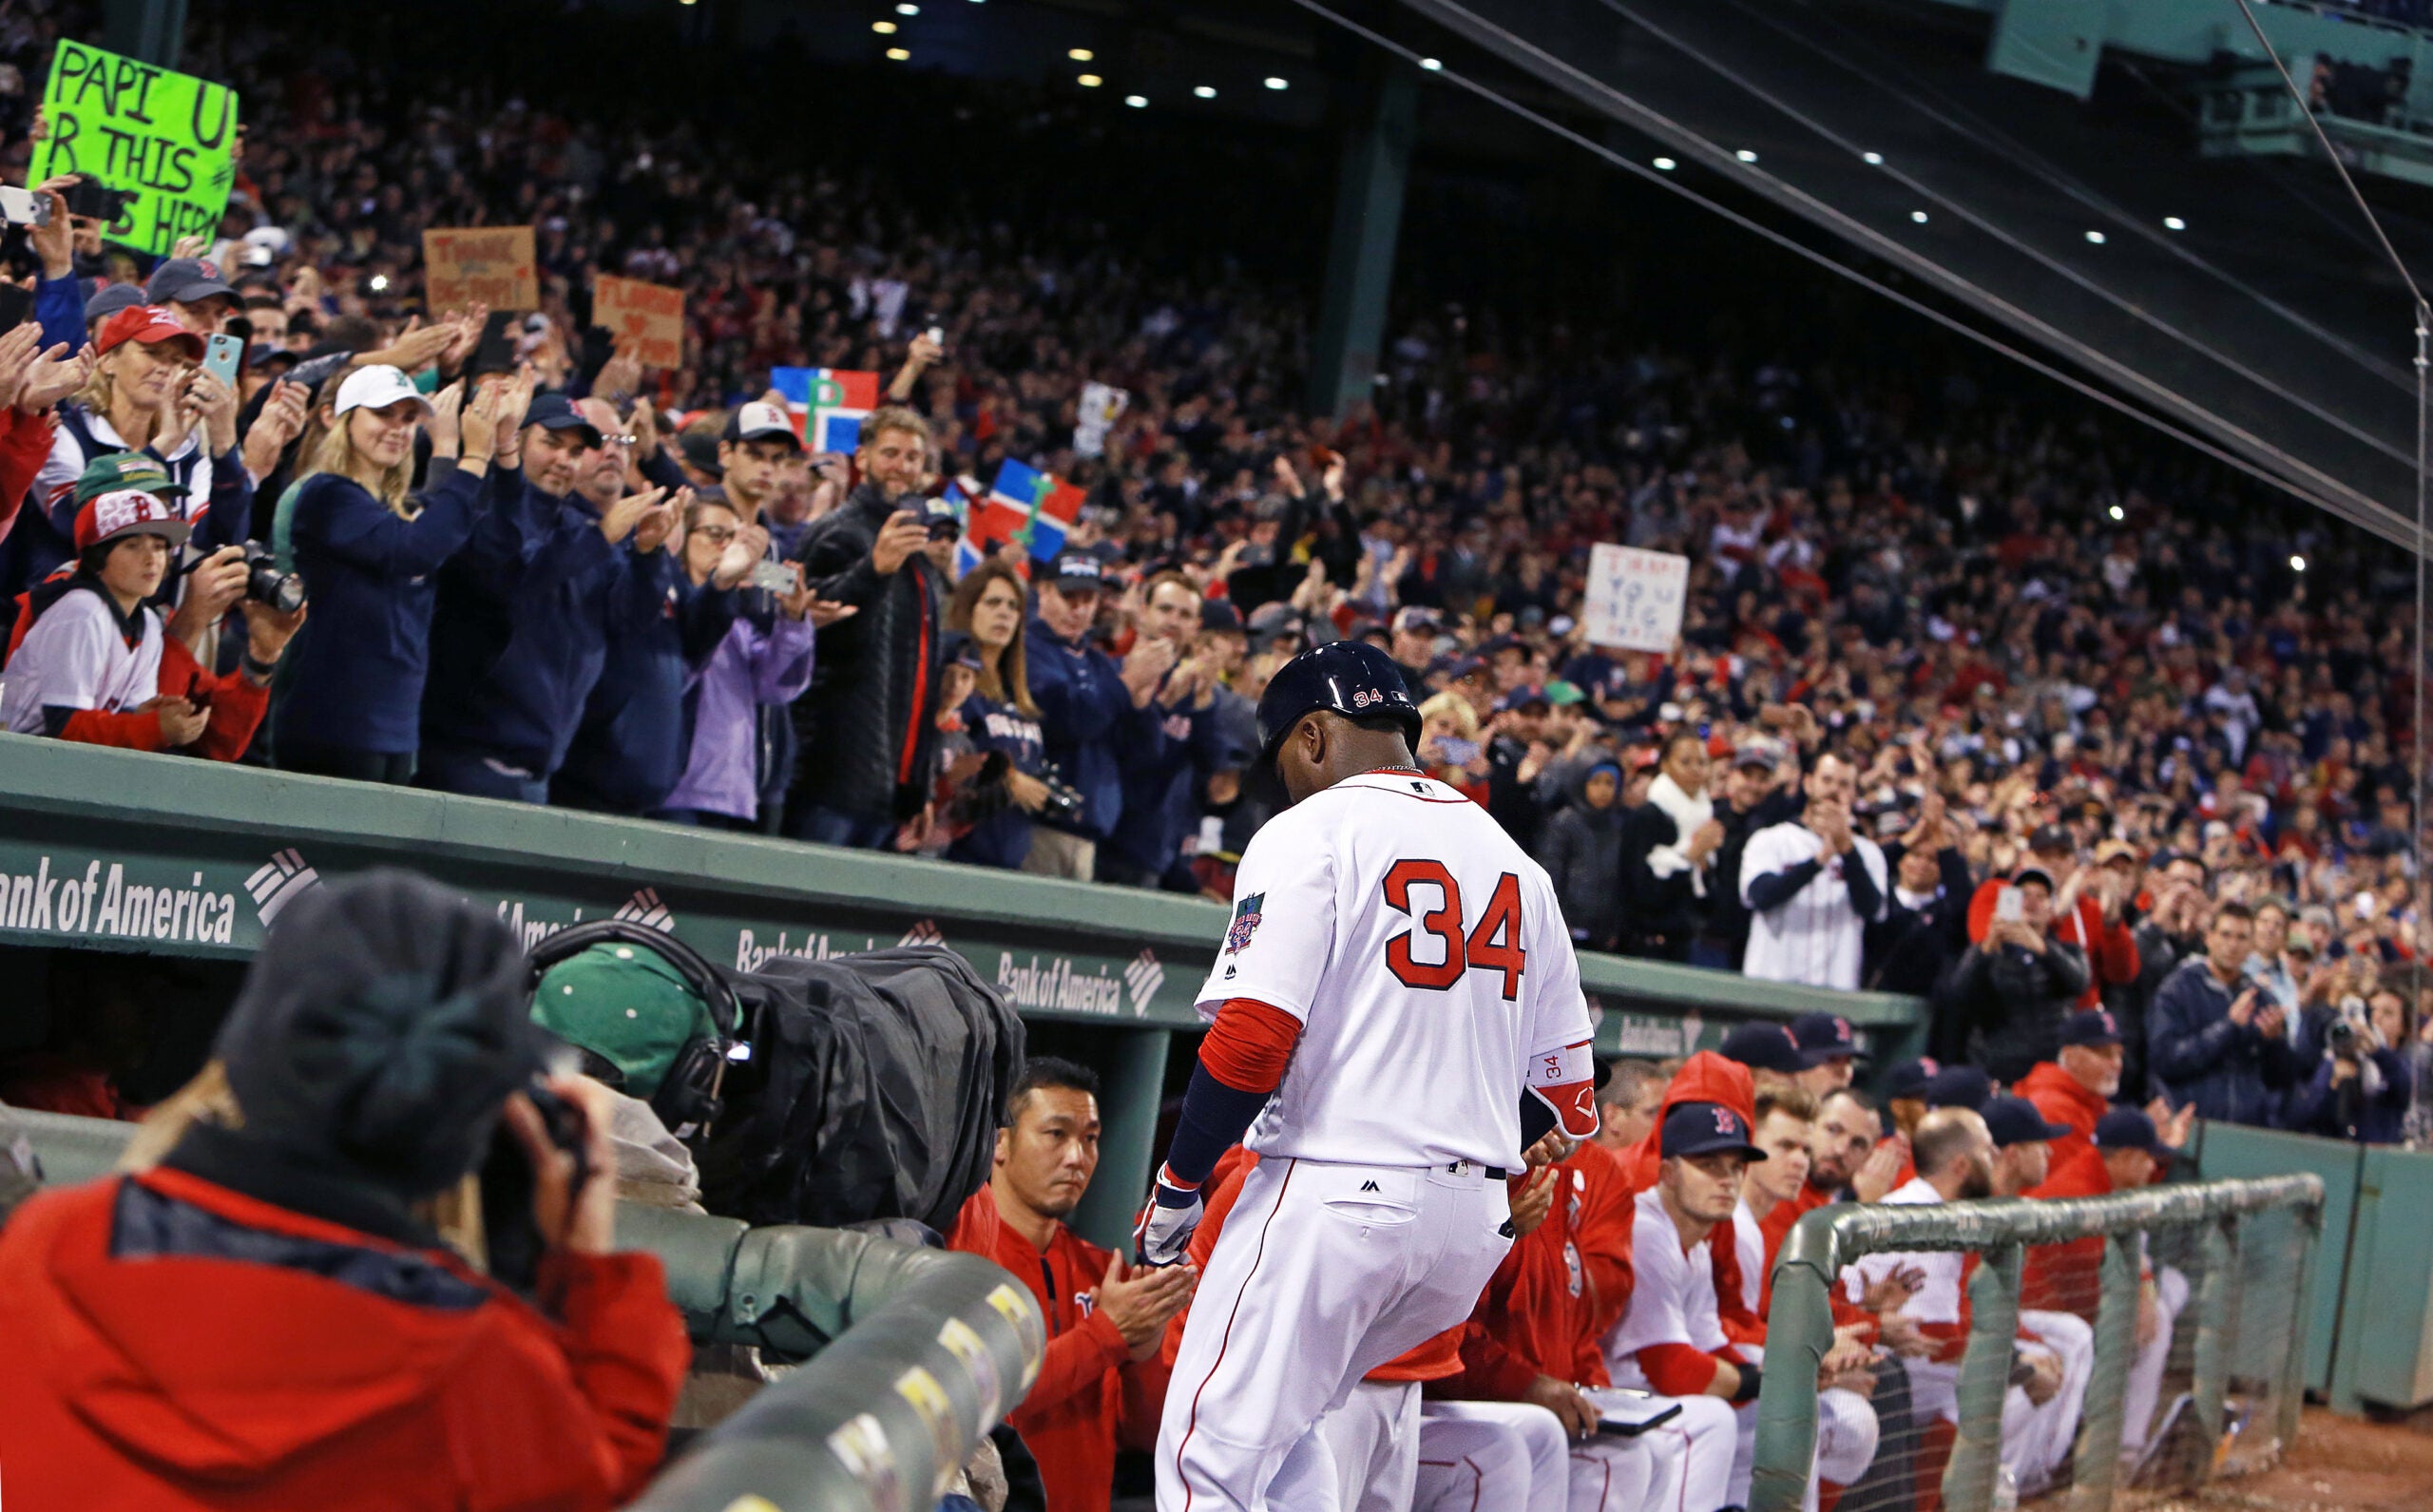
(1094, 715)
(2212, 1036)
(525, 611)
(629, 751)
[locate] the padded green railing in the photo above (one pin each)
(1800, 1328)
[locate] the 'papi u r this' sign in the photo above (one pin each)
(167, 139)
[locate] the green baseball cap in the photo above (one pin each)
(113, 471)
(626, 1004)
(1559, 692)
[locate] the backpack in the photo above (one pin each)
(873, 1090)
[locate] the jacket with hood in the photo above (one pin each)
(173, 1344)
(1581, 850)
(1706, 1076)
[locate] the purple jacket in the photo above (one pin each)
(748, 668)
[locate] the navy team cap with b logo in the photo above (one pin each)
(2094, 1026)
(1706, 1128)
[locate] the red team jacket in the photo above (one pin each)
(174, 1345)
(1088, 1391)
(1565, 1282)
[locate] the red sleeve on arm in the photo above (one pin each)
(25, 444)
(132, 731)
(1489, 1372)
(1678, 1370)
(1249, 1045)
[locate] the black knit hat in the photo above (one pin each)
(379, 1032)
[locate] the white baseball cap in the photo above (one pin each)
(377, 388)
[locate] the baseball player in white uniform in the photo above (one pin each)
(1811, 886)
(1396, 1015)
(1956, 1156)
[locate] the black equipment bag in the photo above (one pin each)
(873, 1090)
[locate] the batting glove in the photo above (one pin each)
(1166, 1224)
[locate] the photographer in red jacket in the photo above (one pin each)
(267, 1319)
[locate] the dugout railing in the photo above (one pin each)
(2233, 1380)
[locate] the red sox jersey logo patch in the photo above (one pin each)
(1246, 917)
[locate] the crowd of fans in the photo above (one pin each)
(1984, 707)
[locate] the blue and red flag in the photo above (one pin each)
(1024, 497)
(828, 404)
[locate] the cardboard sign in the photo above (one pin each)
(1102, 405)
(1634, 597)
(167, 139)
(492, 264)
(648, 318)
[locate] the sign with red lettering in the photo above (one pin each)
(648, 318)
(493, 265)
(1634, 597)
(164, 141)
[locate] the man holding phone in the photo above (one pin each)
(867, 715)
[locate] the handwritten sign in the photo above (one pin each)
(167, 140)
(491, 265)
(1635, 596)
(1102, 405)
(648, 318)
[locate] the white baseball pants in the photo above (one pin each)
(1491, 1457)
(2035, 1439)
(1323, 1274)
(2145, 1384)
(1374, 1438)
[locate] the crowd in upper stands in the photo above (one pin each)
(1969, 700)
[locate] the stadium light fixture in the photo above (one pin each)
(2173, 223)
(908, 8)
(1919, 216)
(1873, 160)
(2297, 564)
(1080, 54)
(1137, 102)
(1745, 155)
(1089, 81)
(1275, 82)
(1431, 64)
(900, 55)
(1204, 91)
(1665, 165)
(2096, 237)
(2119, 513)
(379, 283)
(885, 28)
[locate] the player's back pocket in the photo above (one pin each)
(1370, 1195)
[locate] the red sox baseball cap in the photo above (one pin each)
(1768, 1048)
(1705, 1128)
(1826, 1035)
(2094, 1026)
(126, 512)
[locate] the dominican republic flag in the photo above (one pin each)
(1025, 497)
(969, 551)
(828, 404)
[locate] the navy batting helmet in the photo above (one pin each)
(1350, 677)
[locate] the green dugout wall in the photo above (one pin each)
(104, 850)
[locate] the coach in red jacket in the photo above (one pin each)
(265, 1321)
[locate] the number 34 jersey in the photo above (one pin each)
(1429, 966)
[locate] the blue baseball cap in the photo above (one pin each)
(1826, 1035)
(2016, 1120)
(1959, 1086)
(1705, 1128)
(555, 412)
(2130, 1129)
(1766, 1047)
(2094, 1026)
(1908, 1080)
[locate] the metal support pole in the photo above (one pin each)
(1799, 1330)
(147, 30)
(2213, 1372)
(1128, 1101)
(1382, 124)
(2305, 1227)
(1985, 1380)
(2115, 1350)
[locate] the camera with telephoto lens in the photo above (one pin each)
(267, 583)
(2346, 1034)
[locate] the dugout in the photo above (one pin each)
(186, 862)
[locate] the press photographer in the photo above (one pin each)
(2361, 1087)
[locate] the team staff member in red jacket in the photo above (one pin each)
(1101, 1376)
(266, 1321)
